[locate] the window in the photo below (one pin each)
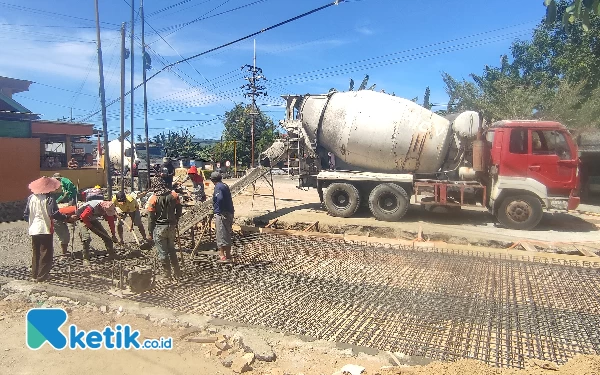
(550, 142)
(518, 141)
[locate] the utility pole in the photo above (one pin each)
(145, 65)
(122, 106)
(103, 105)
(132, 91)
(253, 89)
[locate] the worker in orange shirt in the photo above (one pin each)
(198, 182)
(62, 229)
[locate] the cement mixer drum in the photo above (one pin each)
(377, 132)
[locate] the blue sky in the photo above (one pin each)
(404, 46)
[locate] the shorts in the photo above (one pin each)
(62, 231)
(223, 225)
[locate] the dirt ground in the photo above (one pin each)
(294, 356)
(297, 209)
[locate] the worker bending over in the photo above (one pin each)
(89, 214)
(69, 191)
(130, 207)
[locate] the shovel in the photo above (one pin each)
(145, 245)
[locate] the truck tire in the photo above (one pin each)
(389, 202)
(342, 200)
(522, 212)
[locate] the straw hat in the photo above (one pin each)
(44, 185)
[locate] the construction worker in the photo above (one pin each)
(62, 229)
(224, 211)
(39, 212)
(69, 191)
(198, 182)
(89, 214)
(93, 194)
(167, 172)
(129, 207)
(164, 211)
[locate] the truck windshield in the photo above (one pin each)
(550, 142)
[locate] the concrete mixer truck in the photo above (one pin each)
(387, 150)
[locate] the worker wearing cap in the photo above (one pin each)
(167, 172)
(130, 207)
(89, 214)
(93, 194)
(198, 182)
(223, 210)
(69, 191)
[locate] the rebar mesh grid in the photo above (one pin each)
(438, 303)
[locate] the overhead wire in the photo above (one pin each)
(337, 2)
(409, 50)
(398, 60)
(152, 14)
(34, 10)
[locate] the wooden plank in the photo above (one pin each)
(527, 246)
(585, 252)
(246, 228)
(271, 223)
(311, 226)
(299, 233)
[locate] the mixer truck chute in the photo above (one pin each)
(388, 150)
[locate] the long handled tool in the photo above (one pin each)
(180, 249)
(72, 251)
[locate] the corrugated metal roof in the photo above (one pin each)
(16, 107)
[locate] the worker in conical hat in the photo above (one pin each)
(40, 209)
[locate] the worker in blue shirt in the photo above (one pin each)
(223, 210)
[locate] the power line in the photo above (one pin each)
(180, 26)
(174, 6)
(166, 61)
(34, 10)
(337, 2)
(407, 50)
(323, 73)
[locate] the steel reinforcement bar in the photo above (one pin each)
(438, 303)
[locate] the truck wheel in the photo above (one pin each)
(342, 200)
(521, 212)
(388, 202)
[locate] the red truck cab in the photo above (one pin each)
(533, 165)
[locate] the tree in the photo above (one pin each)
(554, 70)
(179, 144)
(576, 11)
(139, 138)
(426, 97)
(238, 123)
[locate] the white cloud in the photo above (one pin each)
(365, 30)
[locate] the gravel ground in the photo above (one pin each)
(15, 243)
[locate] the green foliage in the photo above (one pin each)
(552, 76)
(178, 144)
(364, 83)
(574, 12)
(206, 174)
(426, 98)
(238, 124)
